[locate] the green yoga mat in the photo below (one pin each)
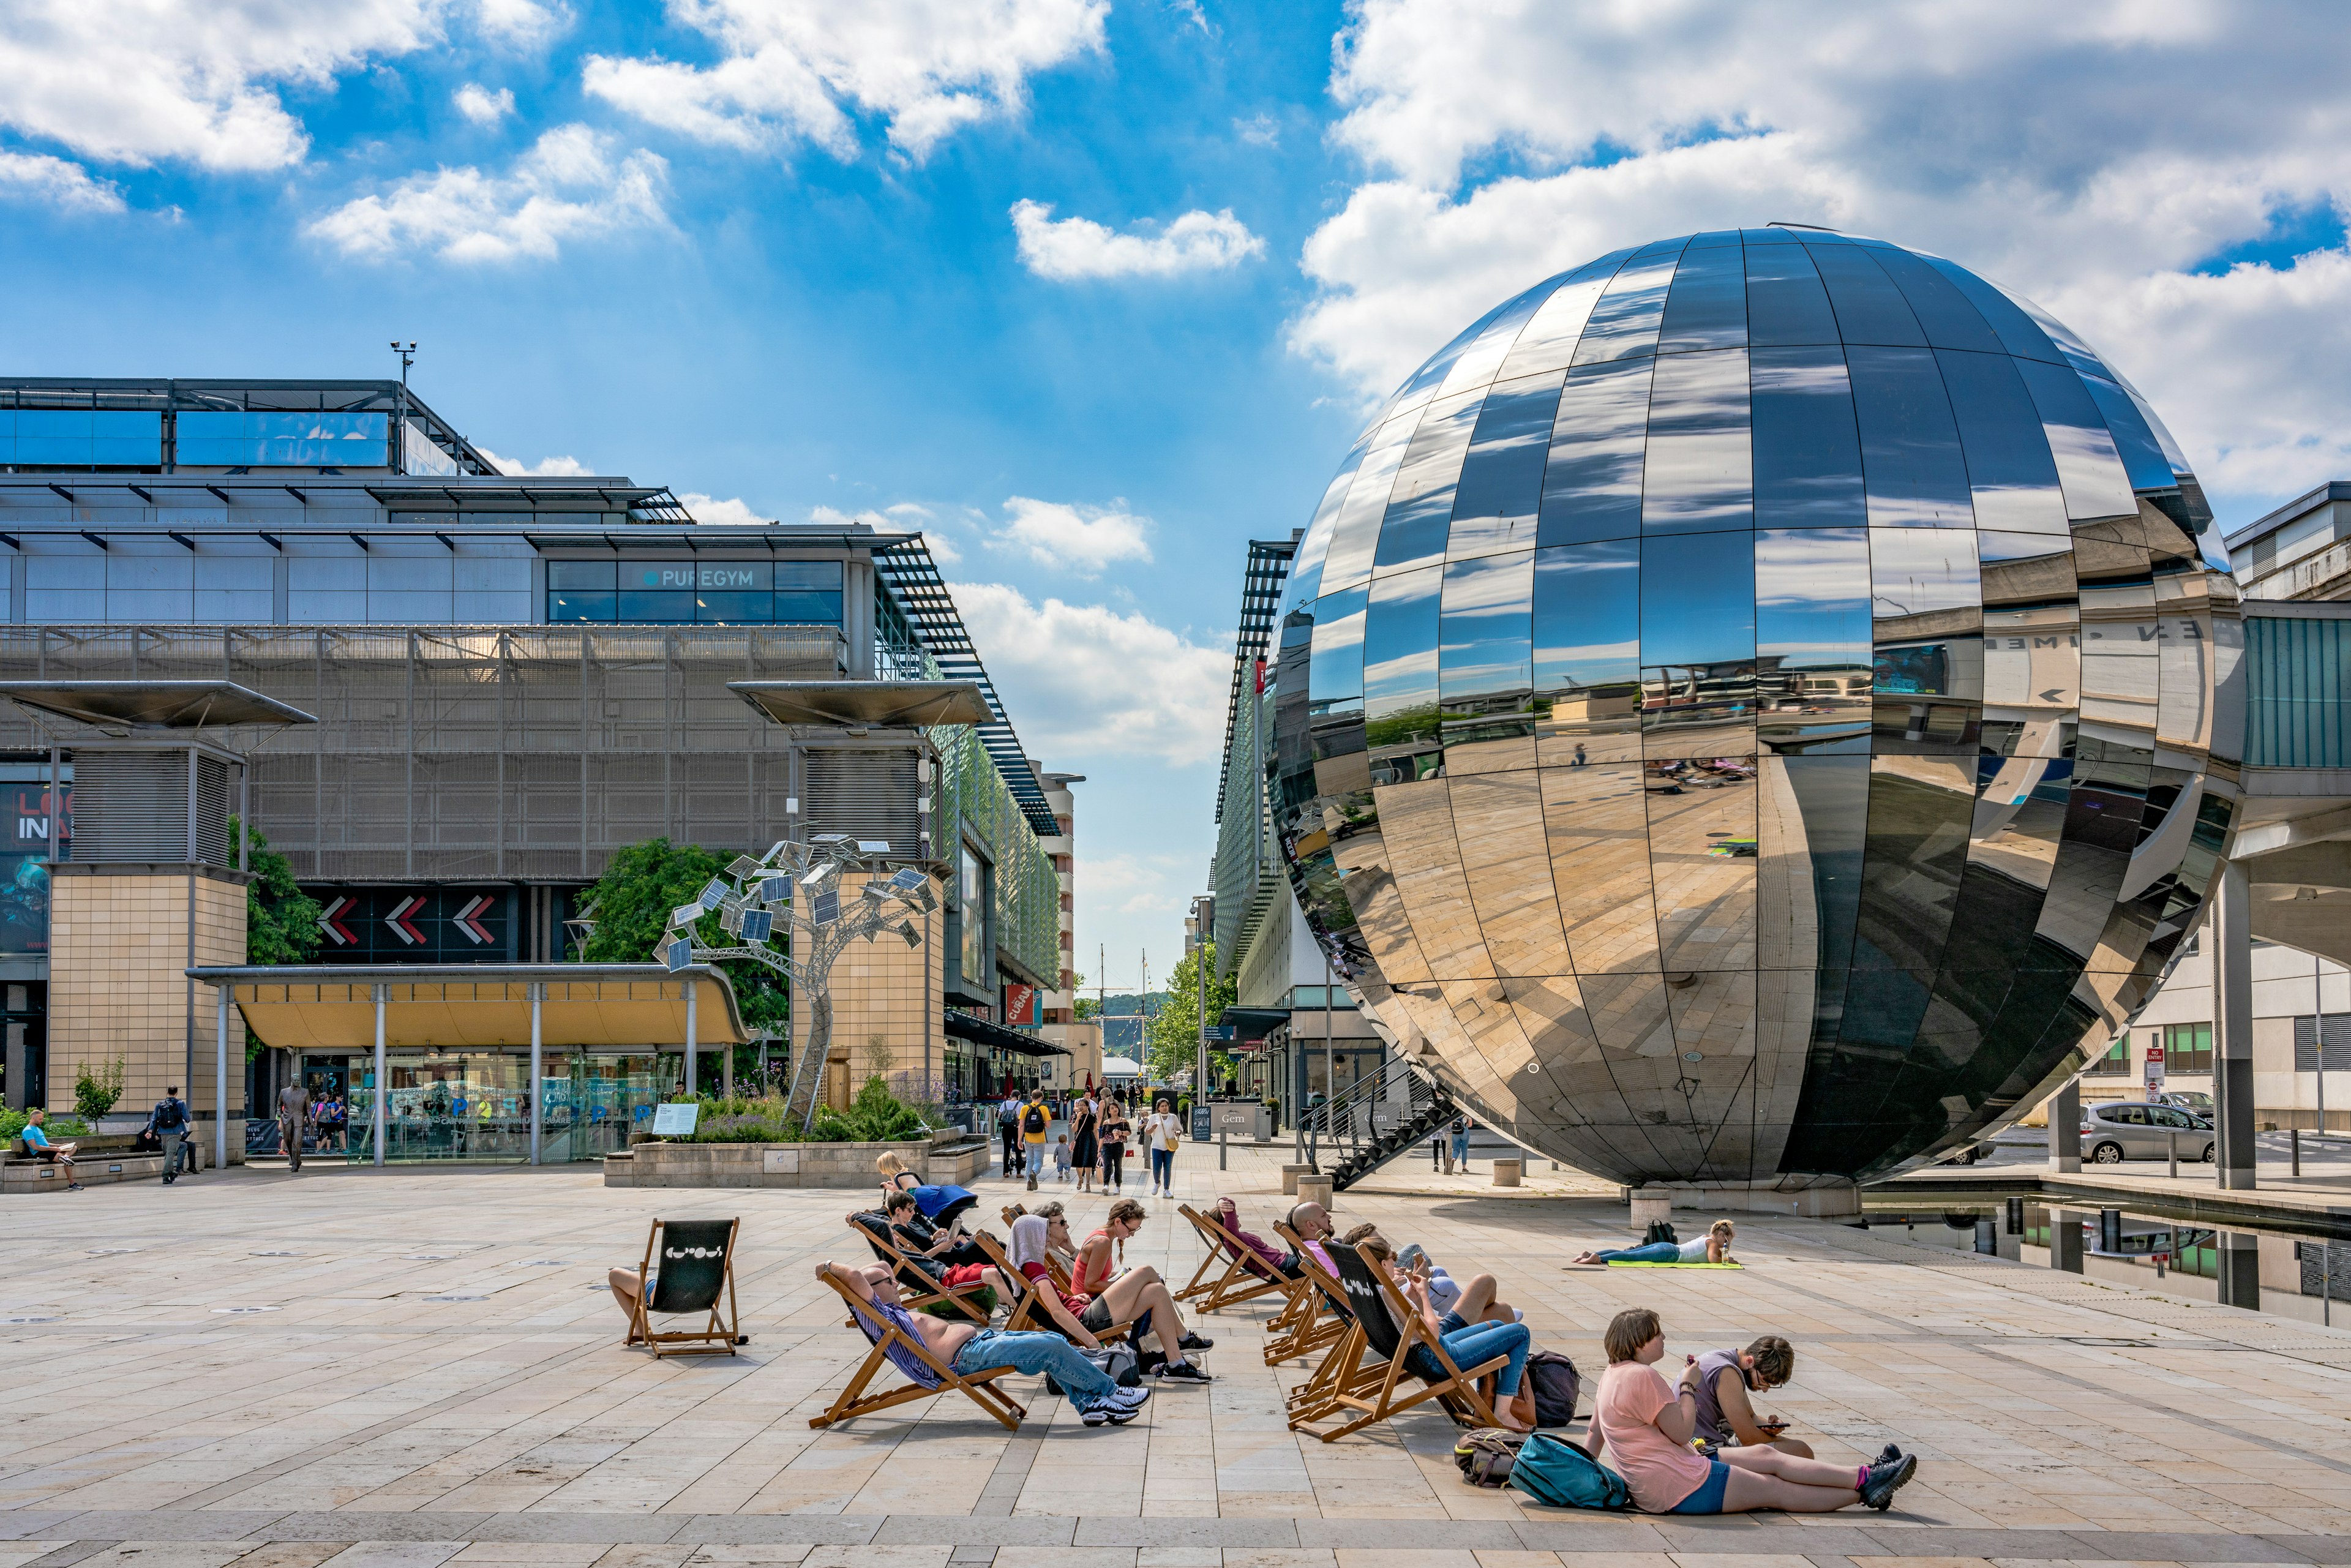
(1615, 1264)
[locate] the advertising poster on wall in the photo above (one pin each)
(1019, 1005)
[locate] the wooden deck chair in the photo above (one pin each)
(916, 1289)
(1237, 1279)
(1340, 1370)
(1316, 1317)
(924, 1373)
(1029, 1314)
(689, 1265)
(1411, 1352)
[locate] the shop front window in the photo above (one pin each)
(475, 1105)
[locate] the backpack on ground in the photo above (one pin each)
(1557, 1386)
(1661, 1230)
(1486, 1455)
(1558, 1474)
(1033, 1120)
(1118, 1362)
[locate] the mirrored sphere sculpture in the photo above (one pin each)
(1751, 707)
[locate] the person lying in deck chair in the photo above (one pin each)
(959, 1254)
(1458, 1304)
(1139, 1296)
(1265, 1258)
(968, 1349)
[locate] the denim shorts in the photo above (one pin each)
(1451, 1322)
(1707, 1499)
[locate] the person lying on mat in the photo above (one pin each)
(1261, 1257)
(1714, 1247)
(970, 1348)
(1646, 1424)
(1725, 1413)
(1458, 1304)
(1468, 1344)
(1129, 1298)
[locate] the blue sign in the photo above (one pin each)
(1226, 1031)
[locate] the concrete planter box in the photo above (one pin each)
(846, 1166)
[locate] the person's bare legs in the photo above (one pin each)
(1478, 1305)
(1767, 1478)
(627, 1285)
(1131, 1294)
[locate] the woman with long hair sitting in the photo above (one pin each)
(1131, 1298)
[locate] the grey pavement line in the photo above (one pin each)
(1562, 1531)
(197, 1500)
(1989, 1347)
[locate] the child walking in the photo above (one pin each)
(1061, 1157)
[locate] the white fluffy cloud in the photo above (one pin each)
(794, 71)
(1085, 679)
(2091, 156)
(1067, 248)
(483, 107)
(718, 509)
(53, 181)
(521, 24)
(570, 182)
(1066, 537)
(141, 81)
(566, 465)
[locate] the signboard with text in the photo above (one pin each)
(1019, 1005)
(2154, 1064)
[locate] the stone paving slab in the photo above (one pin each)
(434, 1377)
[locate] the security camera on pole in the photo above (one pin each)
(759, 901)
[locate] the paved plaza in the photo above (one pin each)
(402, 1369)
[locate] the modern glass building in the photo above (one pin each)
(1750, 707)
(512, 678)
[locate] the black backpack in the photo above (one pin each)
(1661, 1230)
(1034, 1120)
(1557, 1386)
(170, 1115)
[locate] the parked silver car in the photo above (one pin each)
(2138, 1130)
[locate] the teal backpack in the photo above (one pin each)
(1558, 1474)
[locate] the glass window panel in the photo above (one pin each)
(2017, 331)
(1478, 362)
(1707, 307)
(659, 576)
(2089, 470)
(1548, 341)
(589, 574)
(1400, 635)
(1500, 493)
(1811, 599)
(2010, 473)
(656, 607)
(807, 605)
(1306, 568)
(1807, 451)
(804, 574)
(1592, 486)
(1869, 308)
(1420, 509)
(1945, 314)
(1699, 472)
(717, 607)
(1697, 599)
(140, 607)
(1913, 571)
(127, 572)
(1356, 534)
(2142, 459)
(581, 604)
(1484, 628)
(232, 439)
(745, 576)
(1587, 616)
(1785, 301)
(1335, 679)
(1910, 459)
(1626, 319)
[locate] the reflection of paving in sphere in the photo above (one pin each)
(1745, 708)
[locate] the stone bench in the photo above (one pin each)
(37, 1176)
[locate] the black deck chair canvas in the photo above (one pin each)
(1411, 1352)
(916, 1287)
(924, 1373)
(689, 1267)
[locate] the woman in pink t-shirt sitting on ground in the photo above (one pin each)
(1648, 1426)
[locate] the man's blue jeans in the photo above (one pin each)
(1085, 1383)
(1483, 1342)
(1036, 1159)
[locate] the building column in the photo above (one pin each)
(2065, 1239)
(537, 1069)
(2065, 1128)
(2240, 1270)
(2229, 935)
(693, 1083)
(382, 1079)
(220, 1098)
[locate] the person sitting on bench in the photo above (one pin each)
(36, 1146)
(968, 1348)
(1714, 1247)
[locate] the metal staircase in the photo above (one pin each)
(1375, 1119)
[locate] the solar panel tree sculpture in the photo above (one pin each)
(786, 910)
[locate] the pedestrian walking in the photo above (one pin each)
(1462, 1126)
(1114, 1129)
(1036, 1122)
(1085, 1146)
(293, 1122)
(1163, 1135)
(170, 1123)
(1007, 1127)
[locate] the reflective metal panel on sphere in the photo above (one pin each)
(1750, 708)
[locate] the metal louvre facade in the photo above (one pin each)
(515, 753)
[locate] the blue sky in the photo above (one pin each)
(1093, 292)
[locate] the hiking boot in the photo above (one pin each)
(1183, 1372)
(1887, 1454)
(1192, 1341)
(1877, 1489)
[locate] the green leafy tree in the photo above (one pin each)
(281, 921)
(1175, 1038)
(1088, 1007)
(633, 900)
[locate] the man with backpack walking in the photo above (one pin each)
(170, 1123)
(1007, 1129)
(1036, 1123)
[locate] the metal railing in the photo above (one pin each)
(1372, 1118)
